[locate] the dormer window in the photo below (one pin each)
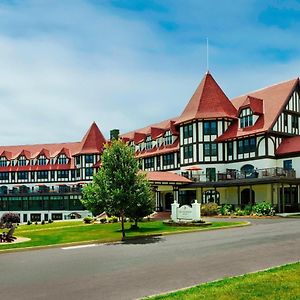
(148, 142)
(168, 138)
(62, 160)
(22, 161)
(246, 118)
(3, 162)
(42, 160)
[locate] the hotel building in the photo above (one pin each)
(240, 151)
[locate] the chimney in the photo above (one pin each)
(114, 134)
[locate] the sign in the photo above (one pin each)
(185, 212)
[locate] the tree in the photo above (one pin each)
(8, 219)
(142, 204)
(118, 186)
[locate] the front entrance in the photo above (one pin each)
(247, 197)
(169, 199)
(290, 201)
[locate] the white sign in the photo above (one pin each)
(185, 212)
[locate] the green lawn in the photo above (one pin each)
(76, 232)
(278, 283)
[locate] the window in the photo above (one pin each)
(62, 160)
(168, 138)
(62, 174)
(149, 162)
(187, 131)
(42, 161)
(295, 121)
(89, 159)
(230, 148)
(22, 161)
(285, 119)
(42, 174)
(89, 172)
(3, 162)
(77, 160)
(22, 175)
(158, 161)
(210, 149)
(148, 142)
(168, 159)
(288, 164)
(246, 145)
(188, 151)
(246, 118)
(4, 176)
(210, 127)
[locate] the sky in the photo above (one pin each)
(128, 64)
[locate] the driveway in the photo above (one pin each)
(145, 267)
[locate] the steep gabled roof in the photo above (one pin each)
(208, 101)
(274, 98)
(93, 141)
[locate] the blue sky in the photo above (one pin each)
(127, 64)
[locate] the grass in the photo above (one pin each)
(274, 284)
(59, 233)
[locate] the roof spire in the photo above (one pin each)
(207, 57)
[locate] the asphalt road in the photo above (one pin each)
(146, 267)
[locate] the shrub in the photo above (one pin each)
(88, 220)
(240, 212)
(263, 209)
(43, 222)
(114, 219)
(103, 220)
(10, 218)
(50, 221)
(36, 223)
(29, 222)
(226, 209)
(209, 209)
(248, 209)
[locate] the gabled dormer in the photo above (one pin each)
(250, 111)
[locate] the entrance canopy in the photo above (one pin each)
(166, 178)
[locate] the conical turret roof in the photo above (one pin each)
(208, 101)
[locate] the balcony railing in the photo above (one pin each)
(232, 174)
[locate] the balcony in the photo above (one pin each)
(232, 174)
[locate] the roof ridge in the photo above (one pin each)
(263, 88)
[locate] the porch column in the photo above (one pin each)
(272, 194)
(201, 199)
(176, 193)
(239, 195)
(157, 201)
(215, 189)
(281, 202)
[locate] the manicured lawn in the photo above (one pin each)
(274, 284)
(76, 232)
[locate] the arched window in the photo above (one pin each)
(247, 197)
(247, 169)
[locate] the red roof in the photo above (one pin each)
(93, 141)
(208, 101)
(289, 145)
(166, 176)
(160, 150)
(140, 134)
(274, 99)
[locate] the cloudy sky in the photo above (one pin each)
(126, 64)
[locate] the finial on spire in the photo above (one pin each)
(207, 56)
